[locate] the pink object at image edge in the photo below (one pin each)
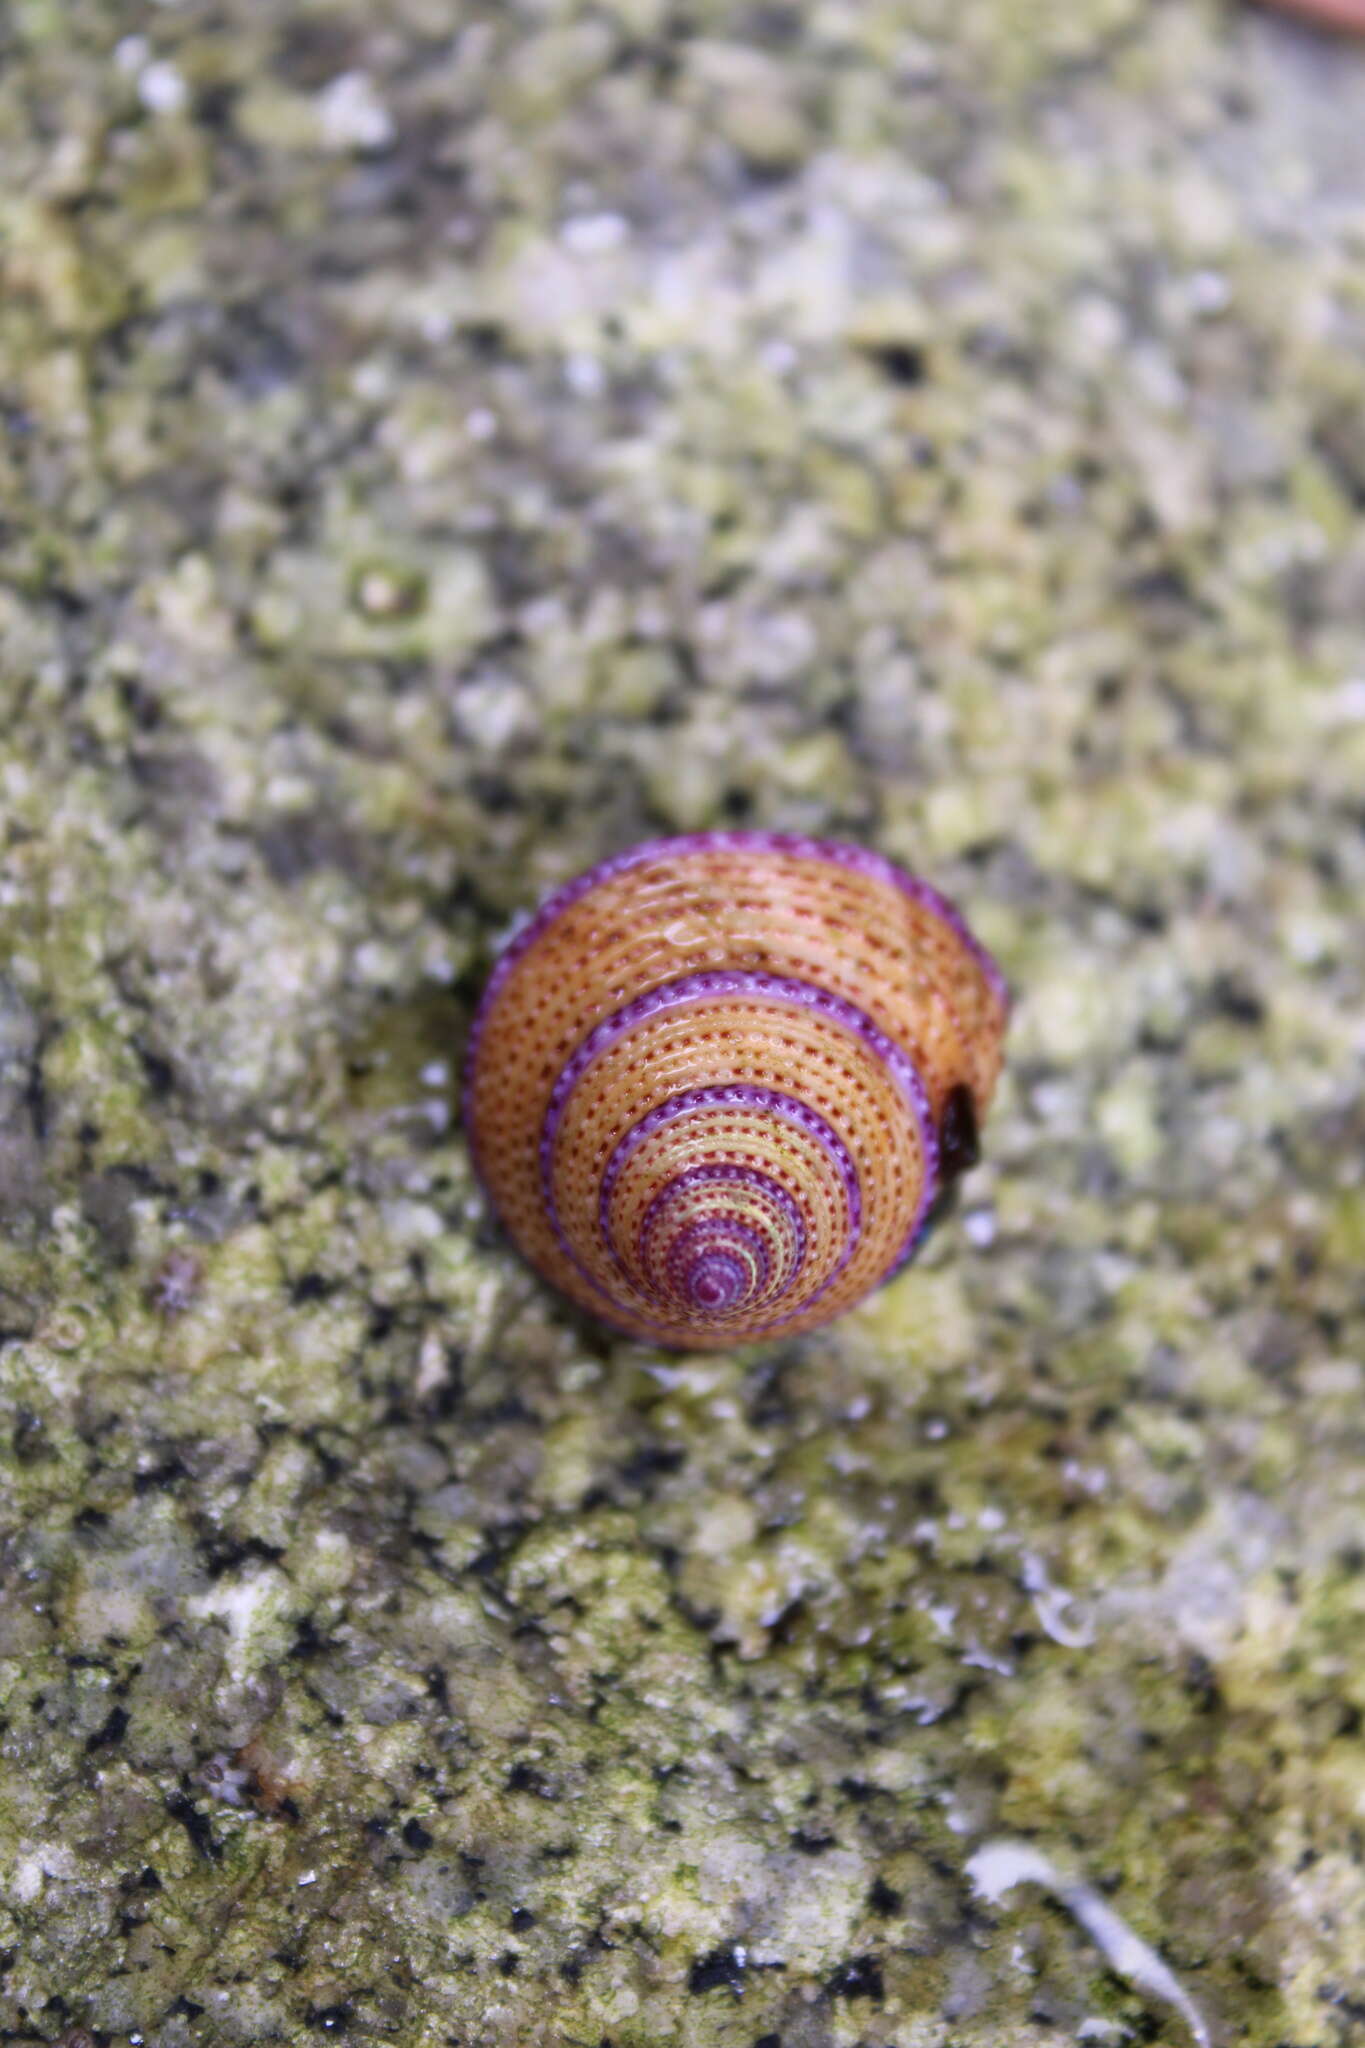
(1346, 15)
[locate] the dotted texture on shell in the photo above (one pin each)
(706, 1083)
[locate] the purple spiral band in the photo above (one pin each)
(858, 859)
(742, 1095)
(726, 985)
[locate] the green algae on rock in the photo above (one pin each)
(439, 452)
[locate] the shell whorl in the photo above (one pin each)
(715, 1084)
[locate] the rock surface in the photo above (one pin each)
(442, 444)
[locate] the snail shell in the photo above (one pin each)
(715, 1084)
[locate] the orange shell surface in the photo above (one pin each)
(711, 1085)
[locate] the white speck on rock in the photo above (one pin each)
(162, 89)
(778, 357)
(584, 376)
(247, 1605)
(942, 1615)
(982, 1660)
(1208, 293)
(997, 1867)
(492, 713)
(433, 1364)
(352, 115)
(1052, 1605)
(594, 234)
(222, 1779)
(779, 646)
(48, 1859)
(979, 1225)
(1348, 703)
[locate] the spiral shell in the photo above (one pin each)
(715, 1085)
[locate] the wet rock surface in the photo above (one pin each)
(441, 446)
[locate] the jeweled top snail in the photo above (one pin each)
(715, 1084)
